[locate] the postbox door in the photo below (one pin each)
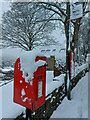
(40, 91)
(22, 91)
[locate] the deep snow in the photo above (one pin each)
(78, 106)
(6, 97)
(9, 108)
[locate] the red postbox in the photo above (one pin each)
(25, 94)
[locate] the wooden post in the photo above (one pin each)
(67, 41)
(28, 114)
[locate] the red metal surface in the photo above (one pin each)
(30, 99)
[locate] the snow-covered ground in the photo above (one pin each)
(9, 108)
(78, 106)
(6, 96)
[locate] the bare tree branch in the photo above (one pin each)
(54, 5)
(20, 27)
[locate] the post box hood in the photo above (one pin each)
(28, 64)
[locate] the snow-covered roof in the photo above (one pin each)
(59, 53)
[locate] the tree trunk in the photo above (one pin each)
(66, 25)
(76, 32)
(30, 48)
(30, 42)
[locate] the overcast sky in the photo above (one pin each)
(4, 6)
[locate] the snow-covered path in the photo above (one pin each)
(78, 106)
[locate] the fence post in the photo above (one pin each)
(28, 114)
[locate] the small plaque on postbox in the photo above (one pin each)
(39, 89)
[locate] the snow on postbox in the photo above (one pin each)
(30, 81)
